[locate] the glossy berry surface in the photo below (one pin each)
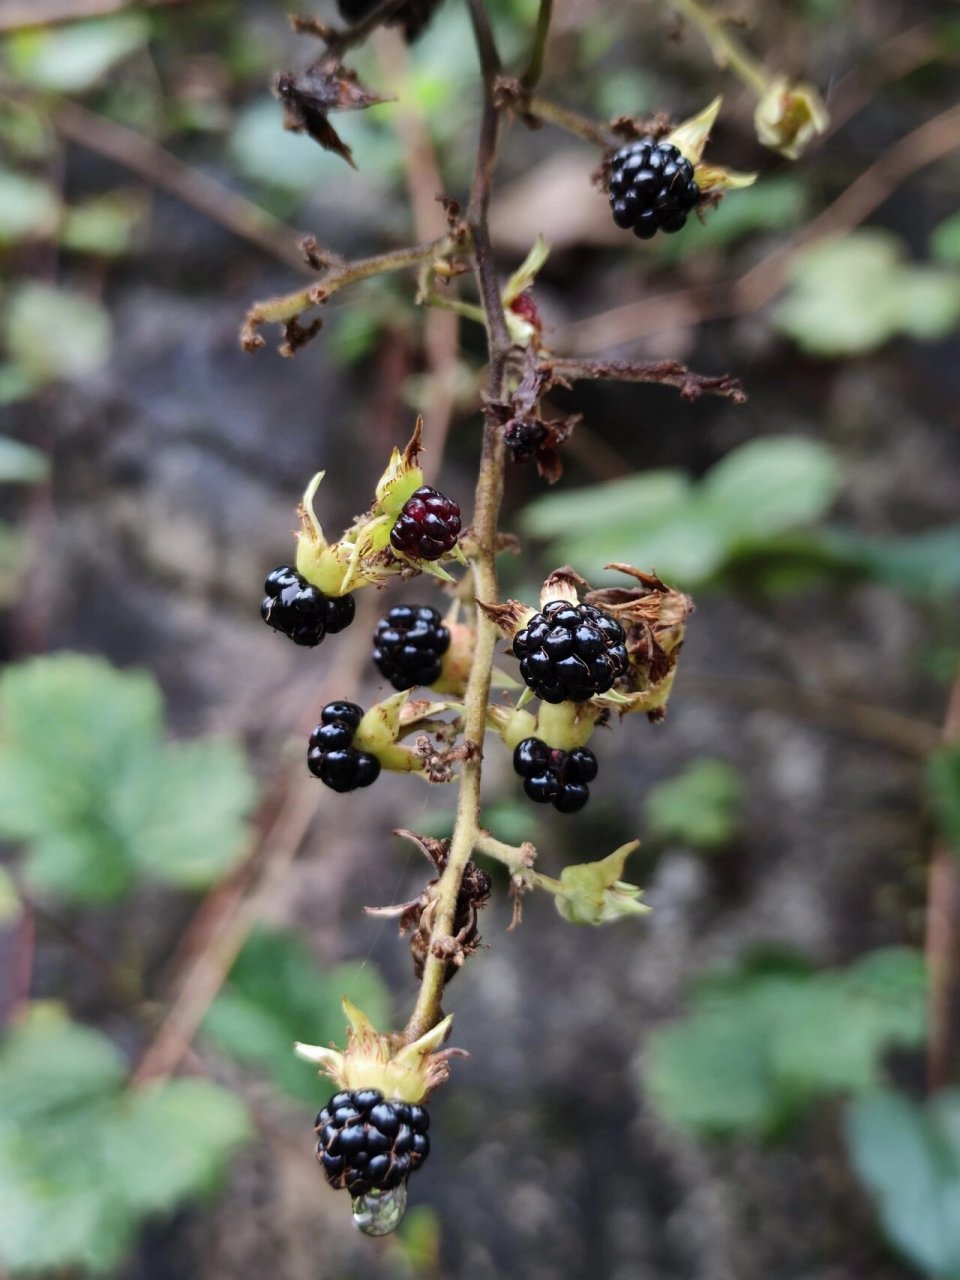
(428, 525)
(332, 758)
(651, 187)
(523, 439)
(409, 645)
(302, 611)
(570, 652)
(552, 776)
(366, 1142)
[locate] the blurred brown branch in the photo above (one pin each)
(22, 15)
(942, 944)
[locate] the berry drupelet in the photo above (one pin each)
(368, 1143)
(570, 652)
(301, 611)
(651, 187)
(551, 776)
(428, 525)
(332, 758)
(409, 645)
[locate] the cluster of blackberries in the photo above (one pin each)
(552, 776)
(651, 187)
(428, 525)
(368, 1143)
(570, 652)
(301, 611)
(332, 758)
(409, 645)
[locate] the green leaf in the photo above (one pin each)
(277, 993)
(96, 796)
(29, 208)
(908, 1157)
(945, 241)
(104, 226)
(84, 1154)
(76, 57)
(758, 1047)
(699, 807)
(943, 790)
(19, 464)
(56, 333)
(852, 294)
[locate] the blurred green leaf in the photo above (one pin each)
(56, 333)
(757, 1048)
(943, 790)
(907, 1155)
(19, 464)
(29, 208)
(10, 907)
(945, 241)
(852, 294)
(76, 57)
(84, 1159)
(687, 532)
(104, 226)
(277, 993)
(94, 794)
(700, 806)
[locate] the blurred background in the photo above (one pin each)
(755, 1079)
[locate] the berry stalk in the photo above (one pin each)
(489, 491)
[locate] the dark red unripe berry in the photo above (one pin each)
(366, 1142)
(427, 527)
(570, 652)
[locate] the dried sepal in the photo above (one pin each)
(593, 892)
(308, 97)
(403, 475)
(509, 617)
(408, 1072)
(562, 584)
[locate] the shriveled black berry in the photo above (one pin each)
(652, 187)
(332, 759)
(552, 776)
(523, 438)
(409, 645)
(428, 525)
(370, 1143)
(302, 611)
(570, 652)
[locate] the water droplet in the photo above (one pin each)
(379, 1212)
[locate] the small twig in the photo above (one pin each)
(339, 39)
(863, 720)
(942, 943)
(727, 51)
(162, 169)
(287, 308)
(666, 372)
(528, 106)
(33, 14)
(534, 69)
(518, 859)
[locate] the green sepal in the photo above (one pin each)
(593, 893)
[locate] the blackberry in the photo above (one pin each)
(409, 645)
(302, 611)
(332, 758)
(523, 438)
(651, 187)
(368, 1143)
(570, 652)
(428, 525)
(552, 776)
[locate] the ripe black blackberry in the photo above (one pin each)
(651, 187)
(428, 525)
(332, 758)
(523, 438)
(552, 776)
(570, 652)
(409, 645)
(368, 1143)
(302, 611)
